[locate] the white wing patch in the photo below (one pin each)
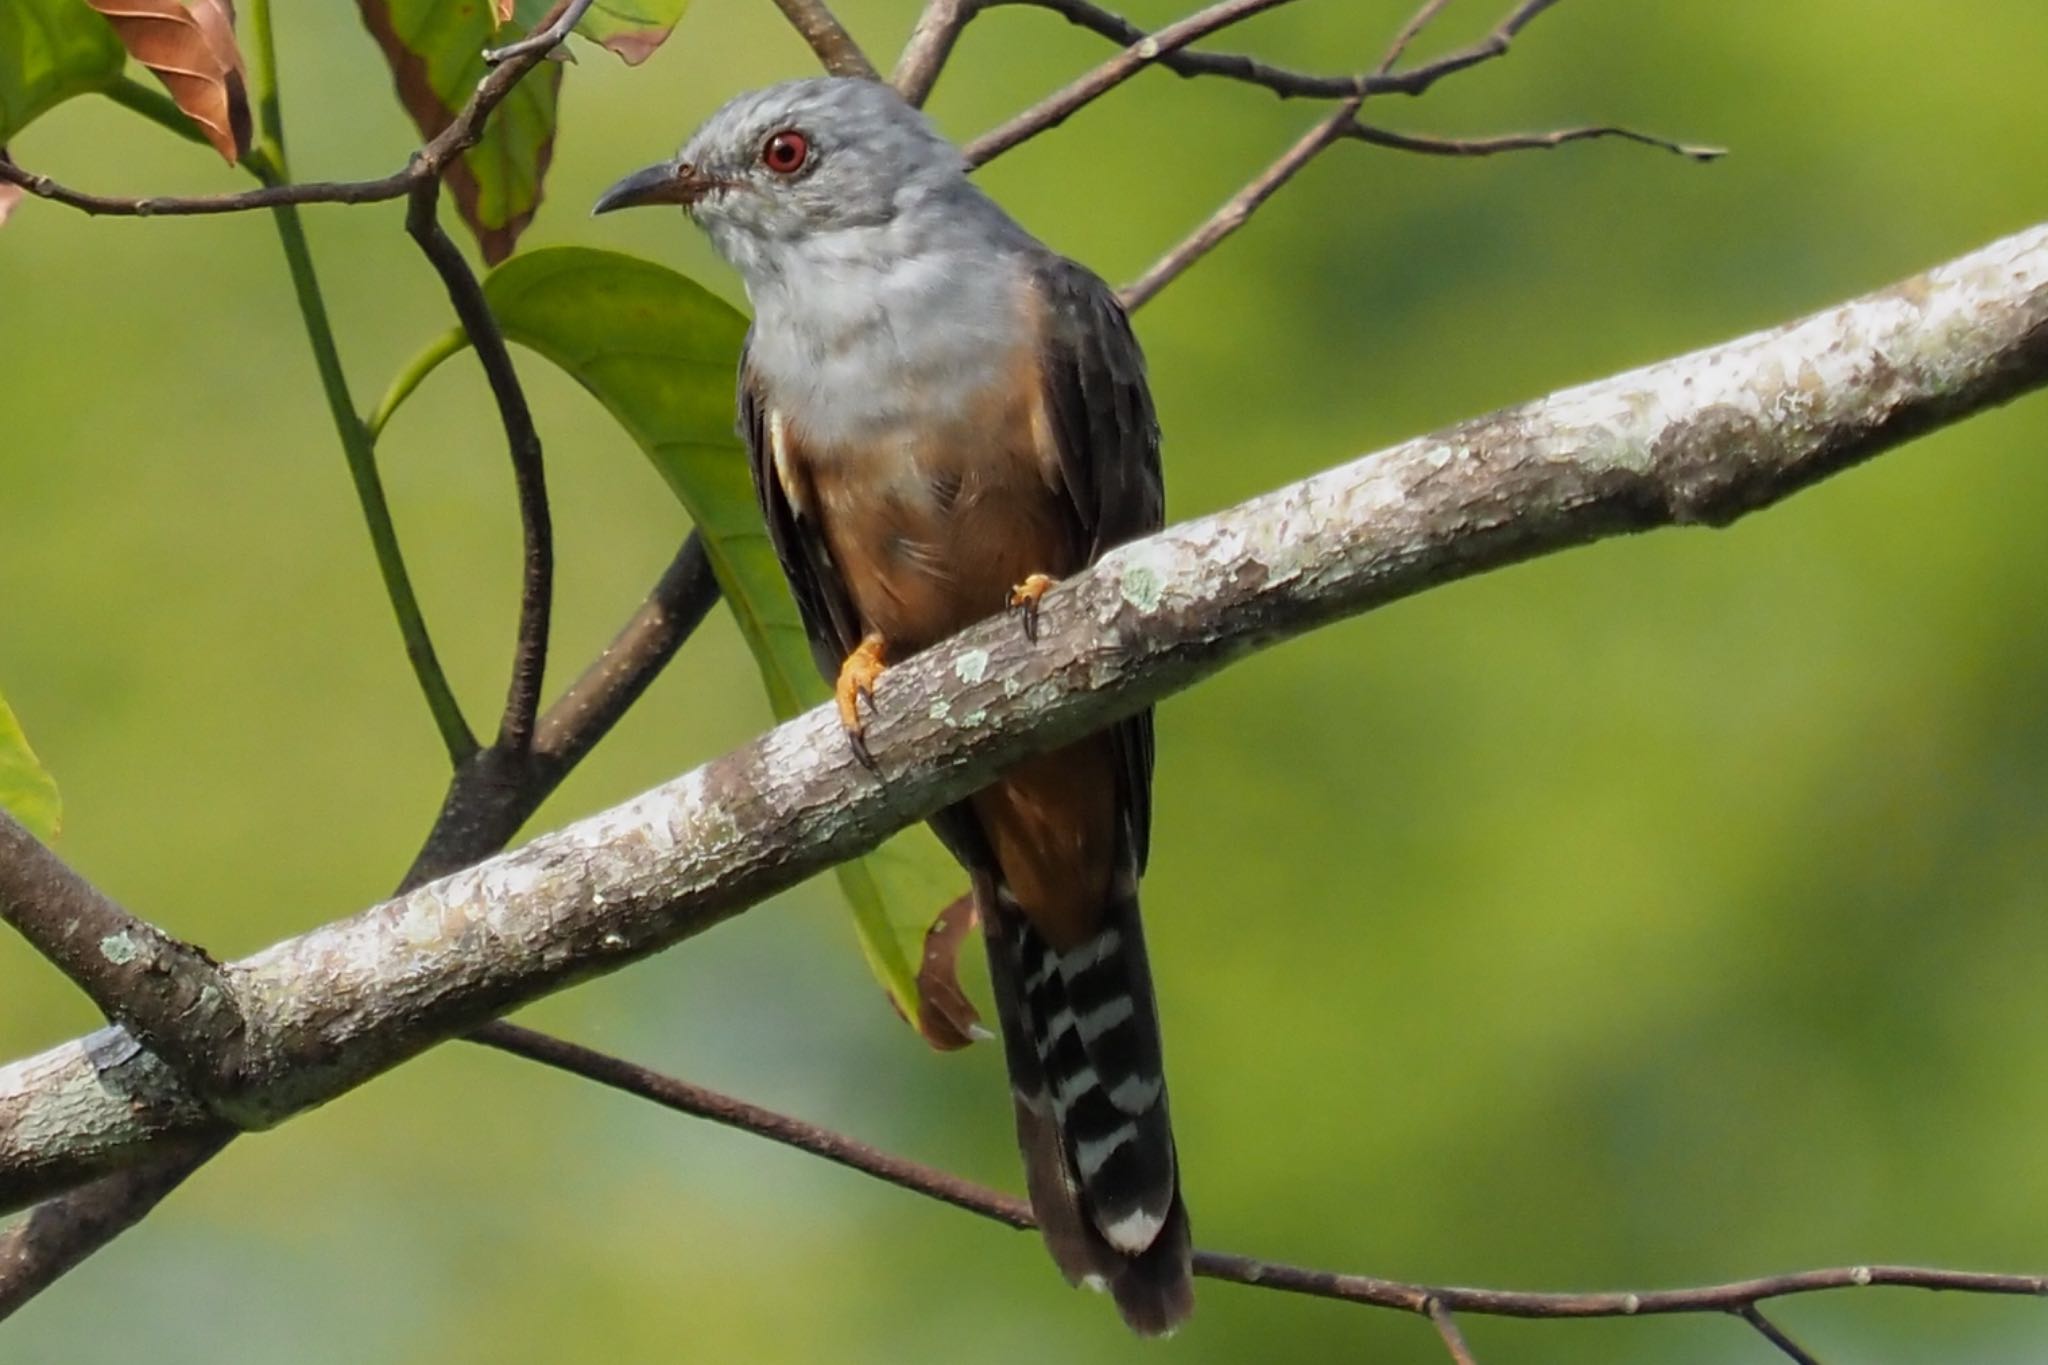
(795, 488)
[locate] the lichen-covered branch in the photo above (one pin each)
(1702, 439)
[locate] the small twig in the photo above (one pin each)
(1754, 1316)
(1433, 1302)
(930, 44)
(1237, 211)
(550, 33)
(425, 165)
(1410, 31)
(834, 46)
(1447, 1328)
(1292, 84)
(1056, 108)
(1523, 142)
(1229, 65)
(585, 713)
(701, 1102)
(495, 792)
(1343, 123)
(530, 653)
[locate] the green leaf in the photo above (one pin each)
(27, 791)
(435, 51)
(51, 50)
(660, 353)
(632, 28)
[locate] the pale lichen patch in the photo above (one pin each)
(1139, 586)
(120, 949)
(971, 667)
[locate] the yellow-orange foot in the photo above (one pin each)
(857, 678)
(1024, 598)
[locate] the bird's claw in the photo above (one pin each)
(857, 677)
(1024, 600)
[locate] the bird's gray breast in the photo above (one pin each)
(862, 354)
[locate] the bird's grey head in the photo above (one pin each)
(800, 164)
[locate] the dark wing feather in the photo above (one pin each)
(1108, 438)
(821, 598)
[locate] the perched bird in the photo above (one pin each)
(944, 417)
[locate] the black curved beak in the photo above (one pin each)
(670, 182)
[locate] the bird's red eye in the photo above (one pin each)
(786, 152)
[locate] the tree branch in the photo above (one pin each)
(1239, 208)
(484, 807)
(1524, 142)
(529, 473)
(1702, 439)
(1447, 1328)
(1754, 1316)
(424, 165)
(1055, 108)
(931, 43)
(1437, 1303)
(57, 1236)
(1290, 84)
(1342, 123)
(835, 48)
(165, 992)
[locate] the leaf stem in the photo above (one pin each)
(415, 373)
(267, 162)
(155, 106)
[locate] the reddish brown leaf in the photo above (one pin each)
(193, 52)
(945, 1016)
(635, 45)
(435, 51)
(10, 195)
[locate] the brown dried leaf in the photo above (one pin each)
(435, 51)
(10, 195)
(945, 1016)
(503, 10)
(193, 52)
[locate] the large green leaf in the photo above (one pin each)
(27, 791)
(660, 353)
(435, 51)
(51, 50)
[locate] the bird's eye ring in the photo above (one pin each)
(786, 152)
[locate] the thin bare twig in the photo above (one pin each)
(1410, 31)
(1754, 1316)
(536, 596)
(1237, 211)
(1447, 1328)
(835, 48)
(1292, 84)
(1344, 123)
(1055, 109)
(1436, 1303)
(424, 165)
(1523, 142)
(930, 44)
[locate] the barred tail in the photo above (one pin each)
(1082, 1037)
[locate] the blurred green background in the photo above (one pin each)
(1665, 911)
